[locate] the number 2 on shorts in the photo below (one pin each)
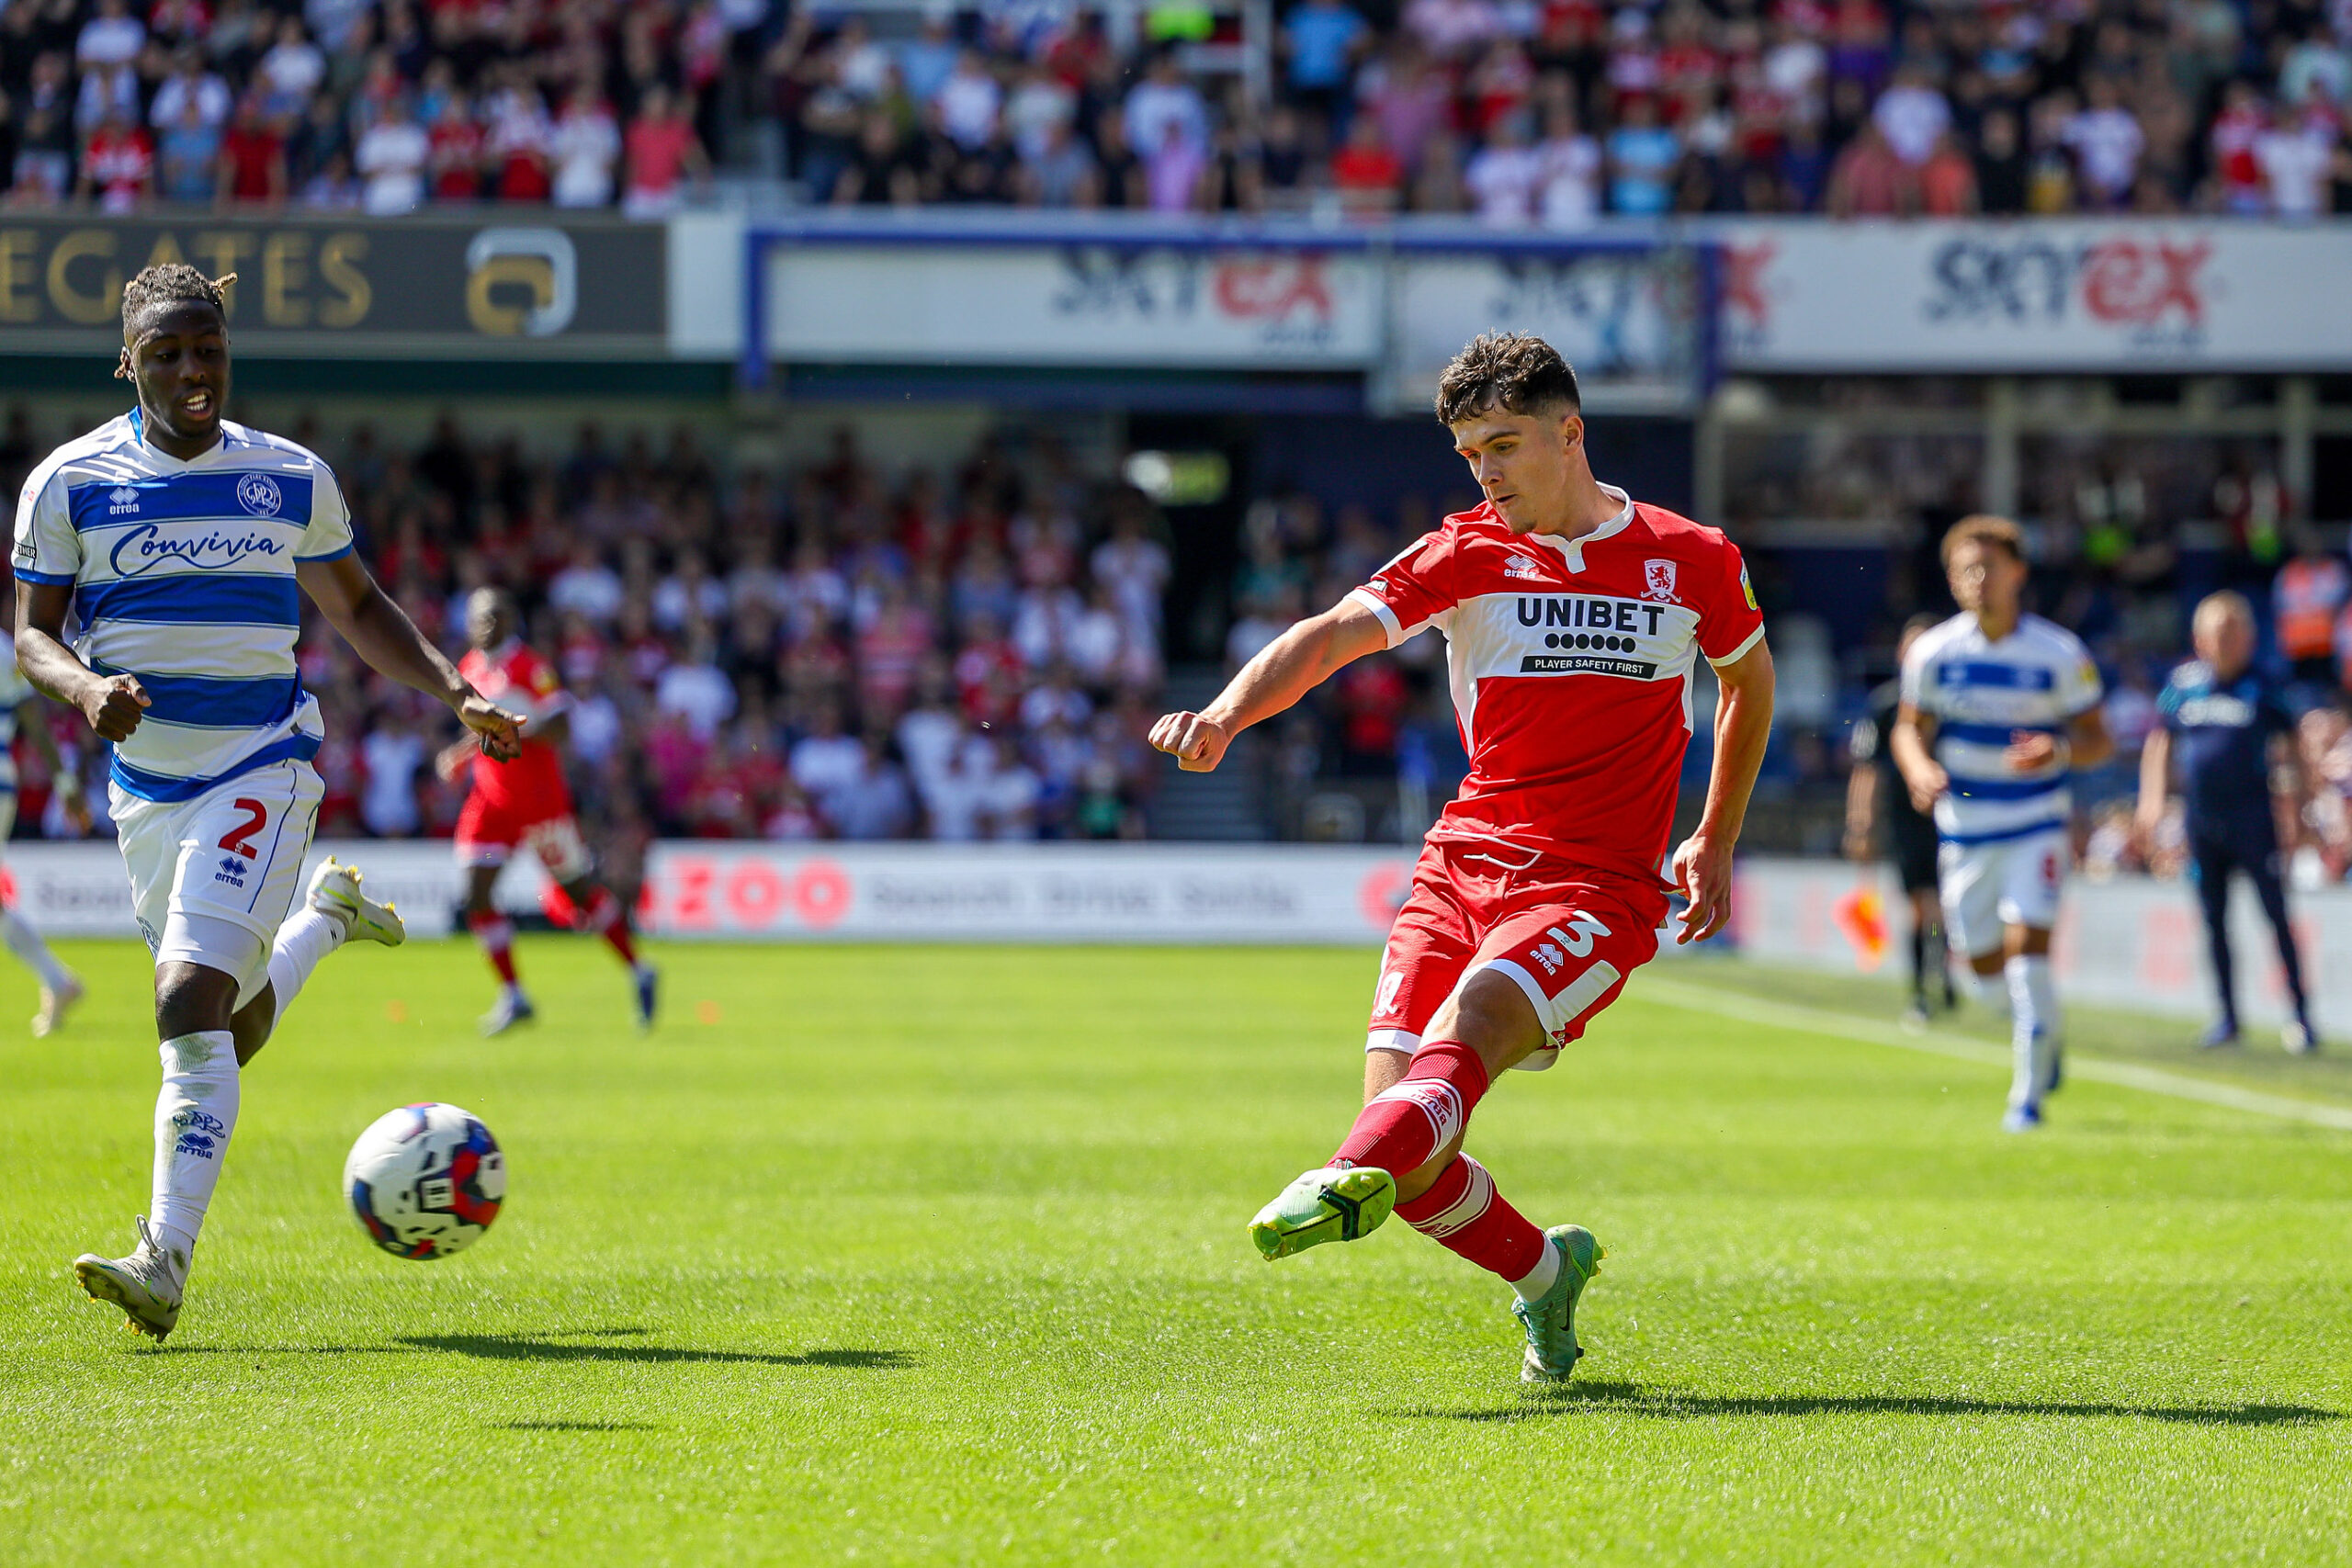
(240, 839)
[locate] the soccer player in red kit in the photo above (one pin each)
(1573, 618)
(525, 803)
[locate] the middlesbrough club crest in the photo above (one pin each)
(1659, 576)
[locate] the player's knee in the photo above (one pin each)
(1494, 1017)
(190, 999)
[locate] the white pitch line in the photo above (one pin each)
(1937, 1042)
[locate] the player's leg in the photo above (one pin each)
(2270, 886)
(1970, 880)
(484, 838)
(2212, 861)
(2032, 878)
(60, 989)
(565, 854)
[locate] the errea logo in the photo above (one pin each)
(122, 499)
(1521, 569)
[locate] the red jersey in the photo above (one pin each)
(519, 681)
(1571, 669)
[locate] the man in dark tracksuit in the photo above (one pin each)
(2226, 721)
(1876, 795)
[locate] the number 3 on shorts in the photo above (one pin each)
(1578, 938)
(239, 840)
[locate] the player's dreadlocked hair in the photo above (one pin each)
(170, 283)
(1516, 372)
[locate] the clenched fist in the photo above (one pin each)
(1198, 744)
(115, 705)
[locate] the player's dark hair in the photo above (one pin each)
(1984, 528)
(173, 283)
(1516, 372)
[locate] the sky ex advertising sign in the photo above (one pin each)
(2108, 296)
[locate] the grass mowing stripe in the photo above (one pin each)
(1935, 1042)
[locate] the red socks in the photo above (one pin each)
(1405, 1127)
(608, 919)
(1464, 1214)
(496, 934)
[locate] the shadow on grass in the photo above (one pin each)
(553, 1348)
(573, 1427)
(1539, 1405)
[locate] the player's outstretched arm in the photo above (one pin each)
(2156, 787)
(1284, 671)
(113, 703)
(1922, 774)
(1743, 727)
(382, 634)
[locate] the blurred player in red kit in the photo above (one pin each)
(1573, 618)
(525, 803)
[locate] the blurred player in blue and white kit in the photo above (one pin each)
(59, 988)
(2225, 723)
(183, 545)
(1999, 709)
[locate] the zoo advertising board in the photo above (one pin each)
(2129, 943)
(425, 285)
(2111, 294)
(1076, 304)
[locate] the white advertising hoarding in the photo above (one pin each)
(1624, 318)
(2109, 295)
(1076, 304)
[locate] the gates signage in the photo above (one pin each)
(526, 287)
(2114, 294)
(1076, 304)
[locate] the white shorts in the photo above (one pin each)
(212, 879)
(2011, 882)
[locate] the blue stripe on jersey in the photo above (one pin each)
(1989, 734)
(1984, 672)
(206, 495)
(2005, 789)
(216, 599)
(49, 579)
(2002, 835)
(165, 788)
(209, 701)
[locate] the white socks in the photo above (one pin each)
(1547, 1273)
(27, 944)
(305, 938)
(2033, 1031)
(193, 1116)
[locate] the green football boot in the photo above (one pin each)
(1337, 1203)
(1551, 1319)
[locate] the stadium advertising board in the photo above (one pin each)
(1624, 318)
(1071, 305)
(2118, 295)
(527, 286)
(2129, 944)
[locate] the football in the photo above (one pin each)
(425, 1180)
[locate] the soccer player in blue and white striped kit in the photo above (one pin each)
(1999, 708)
(182, 544)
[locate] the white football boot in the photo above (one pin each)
(54, 1005)
(334, 893)
(147, 1285)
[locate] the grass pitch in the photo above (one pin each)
(937, 1255)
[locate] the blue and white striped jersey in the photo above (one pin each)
(2038, 678)
(183, 575)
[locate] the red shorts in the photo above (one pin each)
(1567, 936)
(490, 831)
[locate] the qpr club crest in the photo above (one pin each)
(258, 495)
(1658, 578)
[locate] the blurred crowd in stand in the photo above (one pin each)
(1548, 112)
(966, 652)
(971, 645)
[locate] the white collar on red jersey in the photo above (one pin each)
(1574, 548)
